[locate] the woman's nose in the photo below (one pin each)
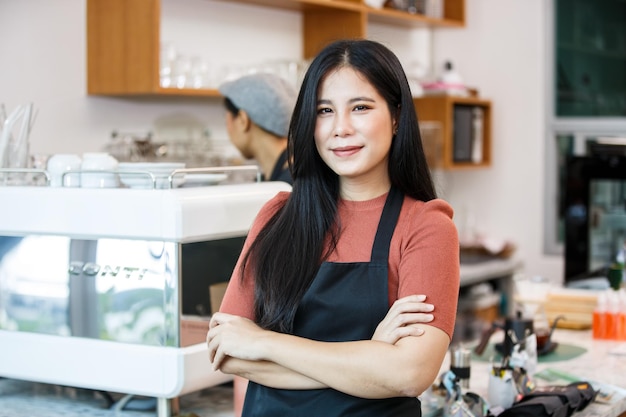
(343, 126)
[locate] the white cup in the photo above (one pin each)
(57, 167)
(98, 161)
(501, 388)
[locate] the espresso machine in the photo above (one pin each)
(109, 289)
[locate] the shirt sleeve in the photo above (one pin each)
(429, 261)
(239, 296)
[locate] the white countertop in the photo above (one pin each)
(181, 214)
(604, 361)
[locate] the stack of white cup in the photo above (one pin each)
(70, 170)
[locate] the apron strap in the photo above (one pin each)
(386, 225)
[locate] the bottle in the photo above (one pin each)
(612, 316)
(477, 135)
(621, 320)
(599, 318)
(450, 77)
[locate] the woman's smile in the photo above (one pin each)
(346, 151)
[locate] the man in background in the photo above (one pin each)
(259, 108)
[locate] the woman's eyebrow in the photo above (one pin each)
(352, 100)
(361, 99)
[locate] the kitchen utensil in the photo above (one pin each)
(58, 167)
(544, 334)
(460, 358)
(7, 134)
(14, 145)
(516, 329)
(97, 170)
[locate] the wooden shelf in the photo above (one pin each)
(454, 11)
(441, 109)
(200, 92)
(123, 46)
(123, 37)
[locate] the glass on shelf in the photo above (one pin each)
(178, 70)
(168, 56)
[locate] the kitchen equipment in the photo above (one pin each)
(516, 330)
(543, 332)
(99, 286)
(460, 358)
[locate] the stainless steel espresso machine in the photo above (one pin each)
(108, 289)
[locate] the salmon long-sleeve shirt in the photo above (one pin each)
(423, 256)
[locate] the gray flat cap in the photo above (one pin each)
(267, 98)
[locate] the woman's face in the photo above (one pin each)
(354, 129)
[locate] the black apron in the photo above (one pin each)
(345, 302)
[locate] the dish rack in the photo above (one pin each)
(41, 177)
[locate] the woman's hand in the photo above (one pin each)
(403, 314)
(234, 336)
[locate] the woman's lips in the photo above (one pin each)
(346, 150)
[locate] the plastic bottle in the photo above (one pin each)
(599, 317)
(612, 316)
(621, 321)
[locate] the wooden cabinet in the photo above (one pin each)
(466, 129)
(123, 37)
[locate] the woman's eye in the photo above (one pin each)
(323, 110)
(361, 107)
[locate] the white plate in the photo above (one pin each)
(144, 181)
(160, 170)
(204, 179)
(150, 166)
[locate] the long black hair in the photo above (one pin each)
(287, 253)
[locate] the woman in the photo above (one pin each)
(360, 229)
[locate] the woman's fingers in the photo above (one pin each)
(216, 356)
(403, 313)
(233, 336)
(412, 304)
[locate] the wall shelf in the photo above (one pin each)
(441, 109)
(123, 37)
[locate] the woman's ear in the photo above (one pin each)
(395, 118)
